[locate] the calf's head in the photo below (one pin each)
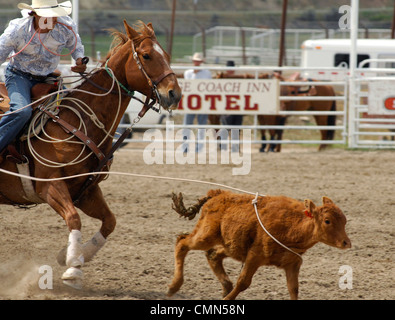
(329, 223)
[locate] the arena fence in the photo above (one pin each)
(303, 120)
(372, 108)
(365, 109)
(360, 123)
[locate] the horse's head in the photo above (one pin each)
(147, 66)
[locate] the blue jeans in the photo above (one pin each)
(188, 119)
(18, 87)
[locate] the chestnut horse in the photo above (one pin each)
(137, 62)
(291, 105)
(301, 105)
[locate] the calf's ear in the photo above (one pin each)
(326, 201)
(310, 206)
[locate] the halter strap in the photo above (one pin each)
(162, 76)
(130, 93)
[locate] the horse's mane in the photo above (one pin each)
(120, 38)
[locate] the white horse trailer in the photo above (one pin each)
(335, 53)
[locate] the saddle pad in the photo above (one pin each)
(4, 100)
(38, 91)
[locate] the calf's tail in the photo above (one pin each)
(190, 212)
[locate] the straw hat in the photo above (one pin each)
(197, 57)
(48, 8)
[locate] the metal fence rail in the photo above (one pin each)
(340, 126)
(370, 130)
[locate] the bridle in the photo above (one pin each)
(153, 83)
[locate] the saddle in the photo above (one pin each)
(4, 99)
(13, 152)
(39, 90)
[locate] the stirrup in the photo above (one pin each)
(14, 155)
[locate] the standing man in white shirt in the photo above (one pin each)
(189, 118)
(36, 43)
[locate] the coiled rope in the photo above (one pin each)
(79, 106)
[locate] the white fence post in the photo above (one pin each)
(352, 67)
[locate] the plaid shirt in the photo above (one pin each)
(35, 59)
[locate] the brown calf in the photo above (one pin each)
(228, 227)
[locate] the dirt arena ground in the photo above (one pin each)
(137, 261)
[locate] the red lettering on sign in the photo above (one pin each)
(247, 103)
(180, 104)
(231, 103)
(212, 99)
(194, 102)
(389, 103)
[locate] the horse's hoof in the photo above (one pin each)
(75, 284)
(61, 257)
(73, 277)
(72, 273)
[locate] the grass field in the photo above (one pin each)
(182, 45)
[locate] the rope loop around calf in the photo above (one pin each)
(254, 203)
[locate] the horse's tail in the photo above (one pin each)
(331, 122)
(190, 213)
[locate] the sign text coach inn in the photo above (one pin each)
(229, 96)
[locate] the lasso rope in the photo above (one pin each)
(254, 202)
(83, 107)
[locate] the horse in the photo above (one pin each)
(275, 134)
(136, 62)
(301, 105)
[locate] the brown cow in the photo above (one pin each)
(228, 227)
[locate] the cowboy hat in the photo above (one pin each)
(197, 57)
(48, 8)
